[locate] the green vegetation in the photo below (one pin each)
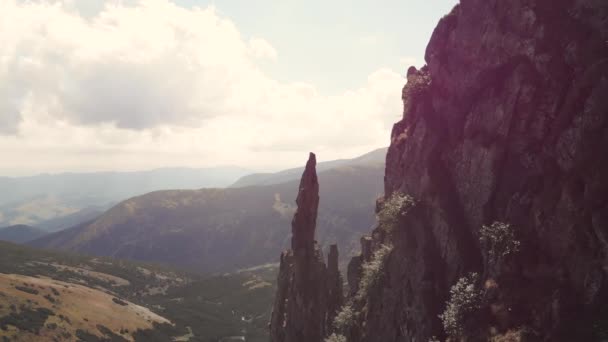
(336, 338)
(372, 270)
(465, 301)
(498, 241)
(27, 289)
(27, 319)
(211, 308)
(393, 209)
(237, 304)
(50, 298)
(119, 302)
(345, 319)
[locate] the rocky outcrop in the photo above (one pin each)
(305, 219)
(308, 292)
(502, 147)
(334, 289)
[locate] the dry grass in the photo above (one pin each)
(84, 307)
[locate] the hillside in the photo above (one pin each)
(218, 230)
(62, 222)
(21, 233)
(374, 157)
(37, 200)
(49, 296)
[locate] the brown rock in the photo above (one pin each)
(305, 219)
(308, 292)
(334, 288)
(508, 123)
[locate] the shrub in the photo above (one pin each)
(372, 270)
(465, 301)
(27, 290)
(86, 336)
(417, 84)
(345, 318)
(335, 338)
(498, 241)
(27, 320)
(393, 209)
(119, 302)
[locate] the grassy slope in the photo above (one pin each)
(237, 304)
(86, 310)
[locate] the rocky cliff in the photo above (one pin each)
(309, 293)
(494, 223)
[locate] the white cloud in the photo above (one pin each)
(369, 39)
(154, 84)
(260, 48)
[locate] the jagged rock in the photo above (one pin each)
(355, 265)
(334, 289)
(308, 292)
(305, 219)
(508, 122)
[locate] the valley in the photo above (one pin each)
(49, 295)
(201, 263)
(221, 230)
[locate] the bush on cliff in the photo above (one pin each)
(464, 302)
(393, 209)
(498, 241)
(336, 338)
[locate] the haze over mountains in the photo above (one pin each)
(217, 230)
(21, 233)
(45, 199)
(374, 157)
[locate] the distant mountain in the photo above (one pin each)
(371, 158)
(20, 233)
(62, 222)
(37, 199)
(219, 230)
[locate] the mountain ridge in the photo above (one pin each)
(21, 233)
(217, 230)
(376, 156)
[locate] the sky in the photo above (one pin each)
(122, 85)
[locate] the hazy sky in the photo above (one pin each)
(89, 85)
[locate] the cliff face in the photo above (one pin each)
(494, 223)
(505, 128)
(309, 293)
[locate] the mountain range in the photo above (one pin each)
(374, 157)
(43, 200)
(219, 230)
(20, 233)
